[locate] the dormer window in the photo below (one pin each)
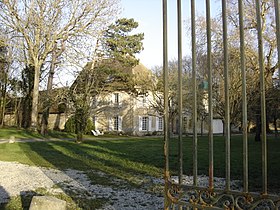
(144, 100)
(116, 98)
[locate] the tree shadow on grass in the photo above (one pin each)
(83, 157)
(150, 152)
(26, 198)
(106, 161)
(4, 198)
(45, 154)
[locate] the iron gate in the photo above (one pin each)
(179, 195)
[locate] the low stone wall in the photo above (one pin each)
(56, 121)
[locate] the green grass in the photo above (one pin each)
(6, 133)
(131, 159)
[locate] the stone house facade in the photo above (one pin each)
(122, 112)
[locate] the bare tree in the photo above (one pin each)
(36, 27)
(157, 90)
(4, 65)
(252, 65)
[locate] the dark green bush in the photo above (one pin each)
(70, 125)
(89, 126)
(71, 128)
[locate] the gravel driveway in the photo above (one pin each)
(17, 179)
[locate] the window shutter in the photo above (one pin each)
(150, 123)
(110, 124)
(140, 123)
(120, 123)
(95, 122)
(157, 124)
(120, 100)
(112, 99)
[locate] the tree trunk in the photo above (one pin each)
(18, 113)
(224, 127)
(3, 105)
(45, 117)
(80, 123)
(201, 127)
(4, 100)
(258, 127)
(26, 111)
(47, 104)
(35, 98)
(275, 126)
(3, 109)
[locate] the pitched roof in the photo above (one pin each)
(114, 75)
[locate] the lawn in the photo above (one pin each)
(6, 133)
(131, 159)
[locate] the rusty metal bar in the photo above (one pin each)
(166, 90)
(180, 95)
(210, 106)
(262, 90)
(277, 18)
(244, 97)
(194, 105)
(166, 110)
(226, 92)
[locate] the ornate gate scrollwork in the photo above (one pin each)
(201, 198)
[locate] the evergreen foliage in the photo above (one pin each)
(70, 125)
(120, 45)
(110, 70)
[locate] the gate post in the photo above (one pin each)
(166, 112)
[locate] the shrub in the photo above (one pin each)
(70, 126)
(89, 126)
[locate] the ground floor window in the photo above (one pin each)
(115, 123)
(145, 121)
(160, 123)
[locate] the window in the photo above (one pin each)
(145, 121)
(144, 100)
(160, 123)
(116, 98)
(116, 123)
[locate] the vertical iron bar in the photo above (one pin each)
(226, 91)
(166, 111)
(210, 106)
(244, 97)
(194, 108)
(180, 98)
(262, 90)
(276, 5)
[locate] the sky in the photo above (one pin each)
(148, 13)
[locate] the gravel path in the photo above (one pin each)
(19, 179)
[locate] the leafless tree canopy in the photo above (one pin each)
(36, 27)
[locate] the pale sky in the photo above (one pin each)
(148, 13)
